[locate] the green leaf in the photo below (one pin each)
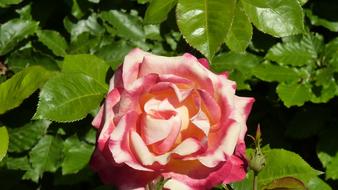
(21, 86)
(13, 32)
(4, 142)
(294, 94)
(19, 60)
(6, 3)
(278, 18)
(291, 53)
(286, 183)
(24, 138)
(204, 24)
(269, 72)
(84, 43)
(316, 21)
(77, 155)
(21, 163)
(126, 25)
(325, 86)
(114, 53)
(244, 62)
(89, 25)
(240, 32)
(302, 2)
(239, 66)
(69, 97)
(316, 183)
(158, 10)
(327, 152)
(25, 12)
(54, 41)
(89, 65)
(279, 163)
(45, 157)
(330, 53)
(76, 9)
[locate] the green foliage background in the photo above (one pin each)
(57, 56)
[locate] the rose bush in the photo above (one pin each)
(170, 117)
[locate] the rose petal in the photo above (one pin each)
(187, 147)
(122, 176)
(130, 99)
(201, 177)
(175, 184)
(131, 63)
(201, 121)
(212, 108)
(155, 130)
(204, 62)
(107, 115)
(119, 144)
(181, 94)
(184, 66)
(243, 105)
(143, 153)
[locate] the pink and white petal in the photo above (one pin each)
(243, 108)
(187, 147)
(116, 81)
(130, 99)
(204, 62)
(166, 144)
(175, 79)
(201, 177)
(108, 115)
(142, 152)
(98, 119)
(186, 66)
(174, 184)
(122, 176)
(211, 106)
(181, 94)
(131, 64)
(119, 142)
(157, 105)
(201, 121)
(154, 130)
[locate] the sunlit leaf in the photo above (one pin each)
(278, 18)
(204, 24)
(4, 142)
(89, 65)
(269, 72)
(69, 97)
(13, 32)
(158, 10)
(126, 25)
(294, 94)
(54, 41)
(280, 163)
(21, 86)
(240, 33)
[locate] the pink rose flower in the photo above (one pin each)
(170, 117)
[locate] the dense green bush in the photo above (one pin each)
(56, 58)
